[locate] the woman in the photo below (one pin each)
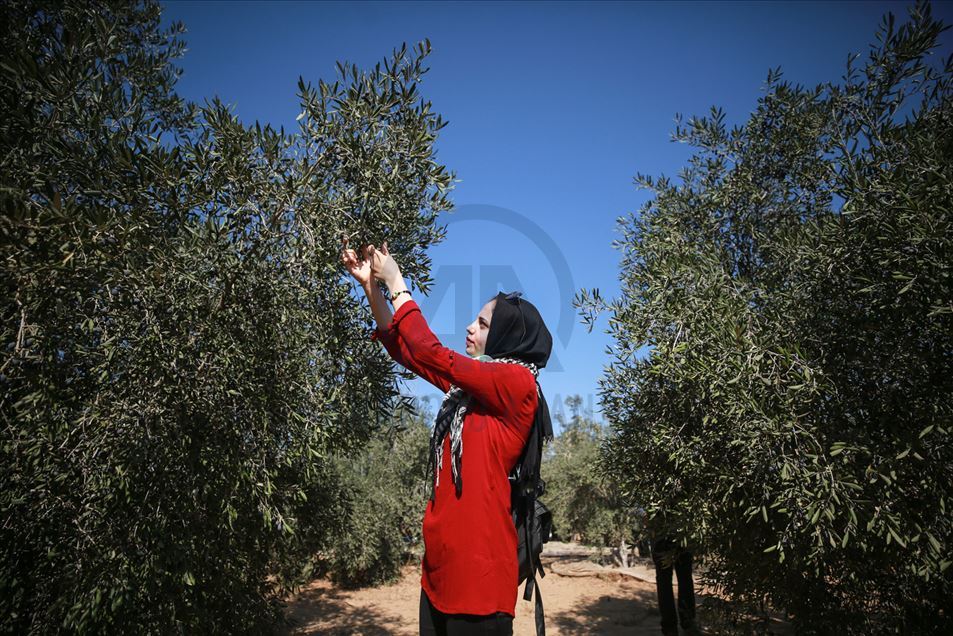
(470, 573)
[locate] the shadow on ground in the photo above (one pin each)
(630, 611)
(324, 610)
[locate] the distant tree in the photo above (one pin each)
(180, 353)
(386, 490)
(586, 505)
(793, 412)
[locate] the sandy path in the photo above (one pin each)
(574, 605)
(606, 603)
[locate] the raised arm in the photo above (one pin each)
(385, 332)
(506, 390)
(389, 336)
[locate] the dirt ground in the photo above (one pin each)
(573, 605)
(603, 602)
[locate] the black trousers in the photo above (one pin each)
(433, 622)
(667, 556)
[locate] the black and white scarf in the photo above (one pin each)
(450, 418)
(517, 335)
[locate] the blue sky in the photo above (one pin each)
(553, 107)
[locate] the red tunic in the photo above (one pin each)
(470, 562)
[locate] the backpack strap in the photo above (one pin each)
(534, 565)
(527, 498)
(540, 619)
(530, 580)
(531, 586)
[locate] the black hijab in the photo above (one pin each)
(517, 331)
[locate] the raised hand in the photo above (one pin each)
(383, 265)
(359, 267)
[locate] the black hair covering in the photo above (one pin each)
(518, 331)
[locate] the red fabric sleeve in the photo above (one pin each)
(507, 390)
(398, 350)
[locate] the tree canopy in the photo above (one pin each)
(780, 390)
(181, 351)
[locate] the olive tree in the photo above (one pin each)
(791, 413)
(181, 349)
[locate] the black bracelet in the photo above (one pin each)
(403, 291)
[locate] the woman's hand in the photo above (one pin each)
(360, 268)
(383, 265)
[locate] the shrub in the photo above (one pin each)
(585, 503)
(387, 491)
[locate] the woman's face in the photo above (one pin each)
(478, 330)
